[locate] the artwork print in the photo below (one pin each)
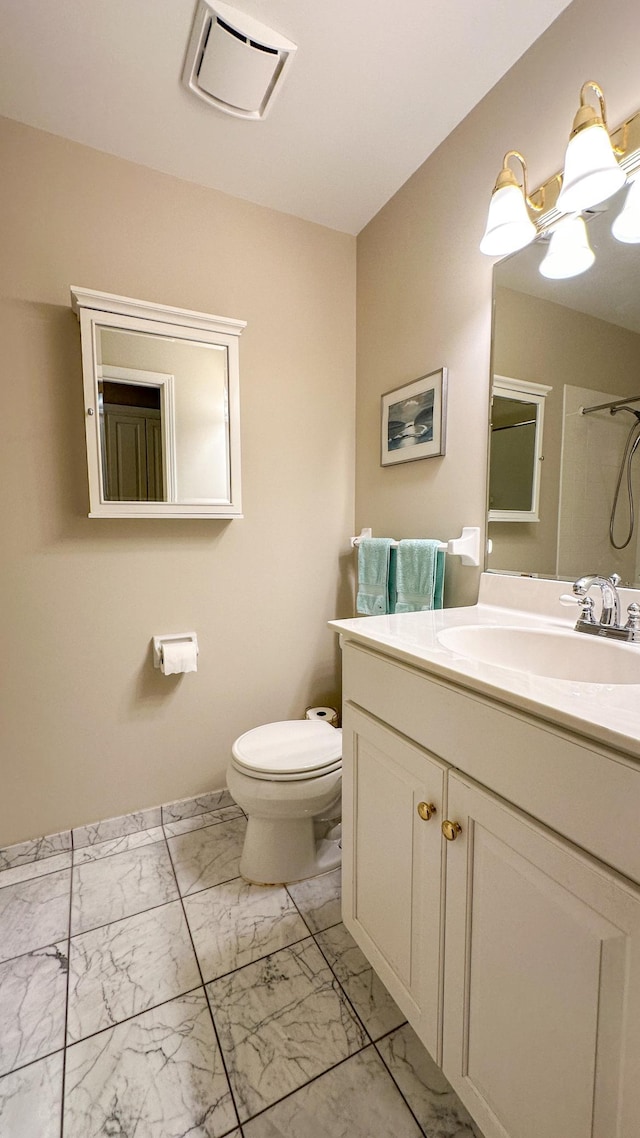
(413, 419)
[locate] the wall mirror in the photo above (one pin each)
(581, 338)
(161, 391)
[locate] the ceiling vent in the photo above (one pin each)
(234, 62)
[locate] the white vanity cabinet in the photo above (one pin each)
(393, 802)
(514, 952)
(542, 976)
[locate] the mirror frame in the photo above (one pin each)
(97, 310)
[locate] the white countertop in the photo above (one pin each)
(605, 713)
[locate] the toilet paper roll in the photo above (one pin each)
(179, 656)
(329, 714)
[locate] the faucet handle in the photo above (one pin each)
(615, 579)
(633, 613)
(586, 605)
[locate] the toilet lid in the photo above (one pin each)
(293, 747)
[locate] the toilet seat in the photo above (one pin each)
(289, 751)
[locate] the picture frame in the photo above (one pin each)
(413, 419)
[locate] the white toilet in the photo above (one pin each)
(287, 777)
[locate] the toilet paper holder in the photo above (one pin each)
(160, 641)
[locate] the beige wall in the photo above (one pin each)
(89, 729)
(542, 342)
(424, 289)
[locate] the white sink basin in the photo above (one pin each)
(555, 653)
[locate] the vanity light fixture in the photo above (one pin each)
(569, 252)
(626, 226)
(591, 175)
(509, 226)
(591, 170)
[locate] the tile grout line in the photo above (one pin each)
(309, 1082)
(372, 1042)
(95, 928)
(127, 917)
(33, 877)
(162, 904)
(311, 935)
(332, 970)
(72, 848)
(393, 1078)
(204, 988)
(134, 1015)
(143, 829)
(31, 951)
(66, 1003)
(115, 853)
(258, 959)
(145, 845)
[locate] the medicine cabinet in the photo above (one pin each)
(162, 414)
(517, 420)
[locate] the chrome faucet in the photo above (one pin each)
(609, 623)
(610, 611)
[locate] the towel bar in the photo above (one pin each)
(466, 547)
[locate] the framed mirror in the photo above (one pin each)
(517, 426)
(162, 415)
(581, 338)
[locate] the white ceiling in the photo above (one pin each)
(373, 90)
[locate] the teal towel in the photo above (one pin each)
(374, 557)
(419, 576)
(438, 596)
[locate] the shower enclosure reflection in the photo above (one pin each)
(580, 336)
(625, 472)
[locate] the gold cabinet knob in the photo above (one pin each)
(451, 830)
(426, 810)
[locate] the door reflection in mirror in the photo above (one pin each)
(131, 440)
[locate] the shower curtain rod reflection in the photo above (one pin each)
(614, 403)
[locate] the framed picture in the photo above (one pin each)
(414, 419)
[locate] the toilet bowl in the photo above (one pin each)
(287, 777)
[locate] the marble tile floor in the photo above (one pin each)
(147, 991)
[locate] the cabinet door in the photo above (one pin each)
(542, 979)
(392, 865)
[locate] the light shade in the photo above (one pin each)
(626, 226)
(591, 171)
(569, 252)
(509, 226)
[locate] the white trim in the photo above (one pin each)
(521, 385)
(113, 305)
